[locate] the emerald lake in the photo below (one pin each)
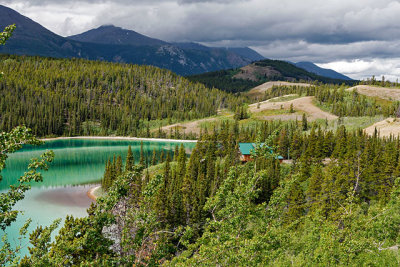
(78, 164)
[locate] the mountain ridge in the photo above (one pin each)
(31, 38)
(312, 67)
(110, 34)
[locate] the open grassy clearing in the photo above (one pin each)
(302, 104)
(271, 112)
(385, 128)
(195, 125)
(284, 98)
(351, 123)
(277, 114)
(157, 169)
(259, 91)
(391, 94)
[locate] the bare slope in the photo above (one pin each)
(304, 104)
(268, 85)
(387, 127)
(374, 91)
(187, 127)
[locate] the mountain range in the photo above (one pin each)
(114, 44)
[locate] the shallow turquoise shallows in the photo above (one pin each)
(78, 163)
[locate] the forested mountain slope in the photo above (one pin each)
(259, 72)
(76, 96)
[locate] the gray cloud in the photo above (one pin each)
(322, 32)
(210, 1)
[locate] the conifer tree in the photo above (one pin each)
(314, 187)
(176, 204)
(181, 166)
(295, 202)
(162, 156)
(189, 188)
(141, 162)
(106, 176)
(130, 160)
(176, 151)
(154, 158)
(118, 166)
(304, 122)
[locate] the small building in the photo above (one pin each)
(245, 151)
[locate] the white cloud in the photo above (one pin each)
(335, 21)
(363, 69)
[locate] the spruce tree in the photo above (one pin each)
(106, 176)
(130, 160)
(295, 203)
(118, 166)
(291, 110)
(162, 156)
(154, 158)
(141, 162)
(304, 122)
(314, 187)
(181, 166)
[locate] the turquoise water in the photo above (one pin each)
(77, 163)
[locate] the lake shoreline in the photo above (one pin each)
(119, 138)
(90, 192)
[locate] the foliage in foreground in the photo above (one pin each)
(244, 234)
(336, 204)
(10, 143)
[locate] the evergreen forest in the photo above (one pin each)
(70, 97)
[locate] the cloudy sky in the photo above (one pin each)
(359, 38)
